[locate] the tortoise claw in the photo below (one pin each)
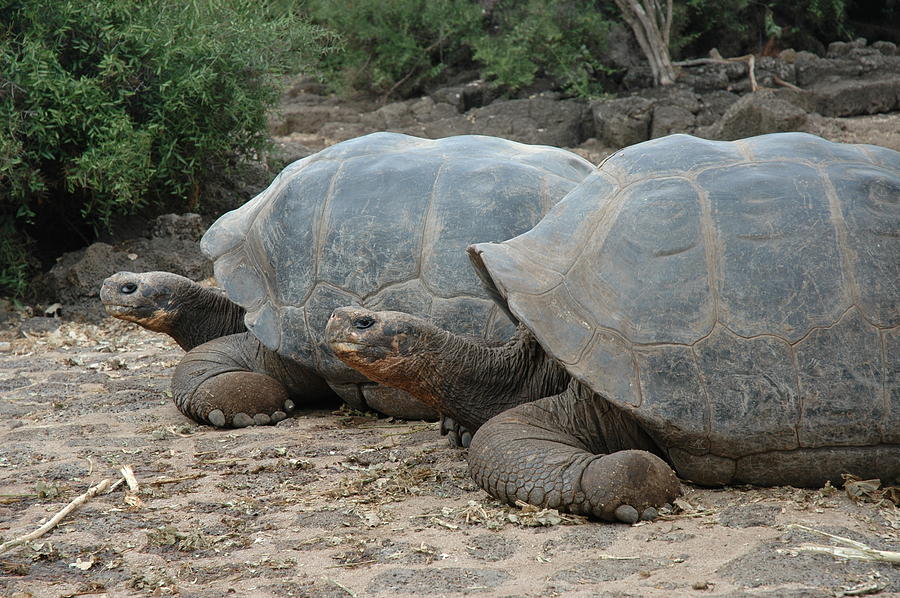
(649, 514)
(216, 417)
(626, 514)
(457, 436)
(241, 420)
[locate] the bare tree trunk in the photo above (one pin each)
(651, 28)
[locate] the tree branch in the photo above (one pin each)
(647, 22)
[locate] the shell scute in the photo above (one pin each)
(841, 384)
(647, 276)
(780, 263)
(870, 208)
(753, 392)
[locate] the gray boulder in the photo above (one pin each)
(714, 76)
(813, 71)
(309, 114)
(844, 49)
(670, 118)
(76, 277)
(674, 110)
(770, 67)
(886, 48)
(474, 94)
(540, 120)
(188, 227)
(852, 97)
(713, 105)
(756, 114)
(624, 121)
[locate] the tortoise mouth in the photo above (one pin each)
(356, 354)
(154, 319)
(345, 348)
(115, 309)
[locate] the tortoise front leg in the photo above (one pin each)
(572, 452)
(235, 381)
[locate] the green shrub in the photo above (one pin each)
(533, 38)
(397, 47)
(738, 27)
(15, 261)
(394, 47)
(113, 104)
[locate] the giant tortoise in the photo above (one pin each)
(729, 310)
(380, 221)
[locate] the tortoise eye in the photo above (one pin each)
(128, 288)
(363, 322)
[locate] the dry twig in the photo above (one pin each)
(851, 549)
(128, 474)
(779, 81)
(184, 478)
(340, 585)
(750, 59)
(6, 499)
(351, 564)
(77, 502)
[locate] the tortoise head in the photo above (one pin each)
(383, 345)
(150, 299)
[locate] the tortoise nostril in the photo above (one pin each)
(363, 322)
(128, 288)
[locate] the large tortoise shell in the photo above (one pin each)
(382, 221)
(738, 298)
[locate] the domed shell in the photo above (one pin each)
(737, 297)
(382, 221)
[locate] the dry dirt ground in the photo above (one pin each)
(334, 504)
(337, 504)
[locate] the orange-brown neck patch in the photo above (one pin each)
(392, 371)
(159, 321)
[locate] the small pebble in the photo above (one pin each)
(5, 347)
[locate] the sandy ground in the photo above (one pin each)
(334, 504)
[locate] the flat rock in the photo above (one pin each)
(852, 97)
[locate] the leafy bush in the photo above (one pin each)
(533, 38)
(112, 104)
(741, 26)
(395, 46)
(398, 47)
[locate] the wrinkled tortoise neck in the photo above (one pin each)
(203, 314)
(471, 380)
